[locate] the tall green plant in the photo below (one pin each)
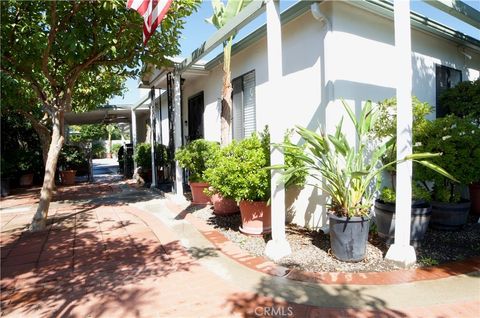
(194, 157)
(221, 15)
(346, 172)
(239, 171)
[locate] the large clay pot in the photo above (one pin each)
(385, 220)
(449, 216)
(26, 180)
(68, 176)
(475, 197)
(256, 217)
(348, 237)
(198, 196)
(224, 206)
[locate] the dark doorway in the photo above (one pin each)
(195, 117)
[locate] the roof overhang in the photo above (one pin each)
(102, 116)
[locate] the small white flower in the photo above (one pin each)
(446, 137)
(417, 144)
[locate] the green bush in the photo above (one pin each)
(143, 155)
(388, 195)
(458, 139)
(194, 157)
(239, 171)
(386, 124)
(72, 158)
(98, 151)
(463, 100)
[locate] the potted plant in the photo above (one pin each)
(223, 202)
(70, 160)
(385, 128)
(420, 214)
(346, 173)
(143, 159)
(241, 174)
(463, 101)
(459, 141)
(194, 157)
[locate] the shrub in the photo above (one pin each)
(98, 150)
(239, 171)
(458, 139)
(143, 155)
(463, 100)
(194, 157)
(72, 158)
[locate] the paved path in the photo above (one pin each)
(116, 251)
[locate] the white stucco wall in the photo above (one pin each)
(355, 62)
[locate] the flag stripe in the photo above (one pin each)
(152, 11)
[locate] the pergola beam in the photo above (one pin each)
(459, 10)
(249, 13)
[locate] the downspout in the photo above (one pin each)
(327, 90)
(322, 18)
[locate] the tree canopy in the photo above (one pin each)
(75, 55)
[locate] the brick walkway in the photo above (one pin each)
(103, 257)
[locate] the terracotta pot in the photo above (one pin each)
(198, 196)
(68, 176)
(26, 180)
(256, 217)
(475, 197)
(223, 206)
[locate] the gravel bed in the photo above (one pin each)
(311, 249)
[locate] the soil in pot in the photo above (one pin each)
(198, 196)
(475, 197)
(449, 216)
(385, 220)
(224, 206)
(348, 237)
(68, 177)
(256, 217)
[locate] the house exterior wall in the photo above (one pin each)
(352, 59)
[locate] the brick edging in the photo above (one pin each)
(262, 264)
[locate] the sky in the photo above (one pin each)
(196, 31)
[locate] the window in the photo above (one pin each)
(243, 121)
(446, 78)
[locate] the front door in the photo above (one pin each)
(195, 117)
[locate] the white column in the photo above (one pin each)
(152, 138)
(401, 252)
(278, 246)
(133, 135)
(177, 131)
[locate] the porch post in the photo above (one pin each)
(177, 122)
(152, 137)
(133, 135)
(278, 246)
(401, 252)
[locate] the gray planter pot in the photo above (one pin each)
(449, 216)
(385, 220)
(348, 237)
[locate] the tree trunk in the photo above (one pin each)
(40, 217)
(226, 111)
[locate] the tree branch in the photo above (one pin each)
(51, 38)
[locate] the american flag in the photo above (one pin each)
(152, 12)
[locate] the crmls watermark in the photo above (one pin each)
(274, 312)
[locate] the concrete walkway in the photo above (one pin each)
(117, 251)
